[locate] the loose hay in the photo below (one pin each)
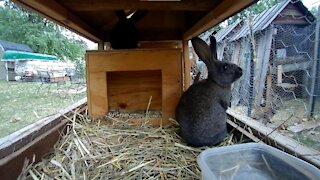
(109, 149)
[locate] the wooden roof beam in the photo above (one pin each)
(55, 12)
(102, 5)
(221, 12)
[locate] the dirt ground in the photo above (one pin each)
(291, 115)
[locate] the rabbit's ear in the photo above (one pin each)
(120, 14)
(213, 47)
(138, 15)
(202, 50)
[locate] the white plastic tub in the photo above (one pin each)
(253, 161)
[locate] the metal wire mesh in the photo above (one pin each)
(27, 98)
(280, 86)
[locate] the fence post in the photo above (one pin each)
(314, 79)
(252, 60)
(251, 84)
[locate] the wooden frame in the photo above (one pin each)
(35, 140)
(59, 13)
(99, 63)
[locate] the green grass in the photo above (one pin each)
(23, 103)
(309, 139)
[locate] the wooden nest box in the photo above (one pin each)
(125, 79)
(133, 80)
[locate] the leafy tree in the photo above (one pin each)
(314, 11)
(254, 9)
(43, 36)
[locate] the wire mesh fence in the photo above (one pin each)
(278, 51)
(36, 93)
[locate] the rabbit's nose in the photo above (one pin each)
(239, 70)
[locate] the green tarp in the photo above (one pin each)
(10, 55)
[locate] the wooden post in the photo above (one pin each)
(268, 93)
(237, 85)
(252, 60)
(100, 45)
(251, 84)
(7, 71)
(263, 65)
(315, 69)
(186, 65)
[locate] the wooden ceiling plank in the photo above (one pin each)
(224, 10)
(102, 5)
(55, 12)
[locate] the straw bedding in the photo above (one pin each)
(110, 148)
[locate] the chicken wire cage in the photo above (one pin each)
(278, 51)
(42, 92)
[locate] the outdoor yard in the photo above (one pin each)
(298, 126)
(22, 103)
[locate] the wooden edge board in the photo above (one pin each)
(18, 139)
(308, 154)
(117, 51)
(246, 133)
(171, 44)
(11, 166)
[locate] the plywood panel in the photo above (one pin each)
(131, 90)
(132, 60)
(98, 5)
(160, 44)
(98, 92)
(171, 90)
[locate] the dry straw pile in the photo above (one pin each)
(110, 148)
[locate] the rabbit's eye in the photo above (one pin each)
(225, 67)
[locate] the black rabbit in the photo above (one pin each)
(124, 34)
(201, 111)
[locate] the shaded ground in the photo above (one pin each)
(22, 103)
(297, 110)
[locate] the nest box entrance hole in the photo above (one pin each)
(131, 91)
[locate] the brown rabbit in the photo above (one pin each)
(201, 111)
